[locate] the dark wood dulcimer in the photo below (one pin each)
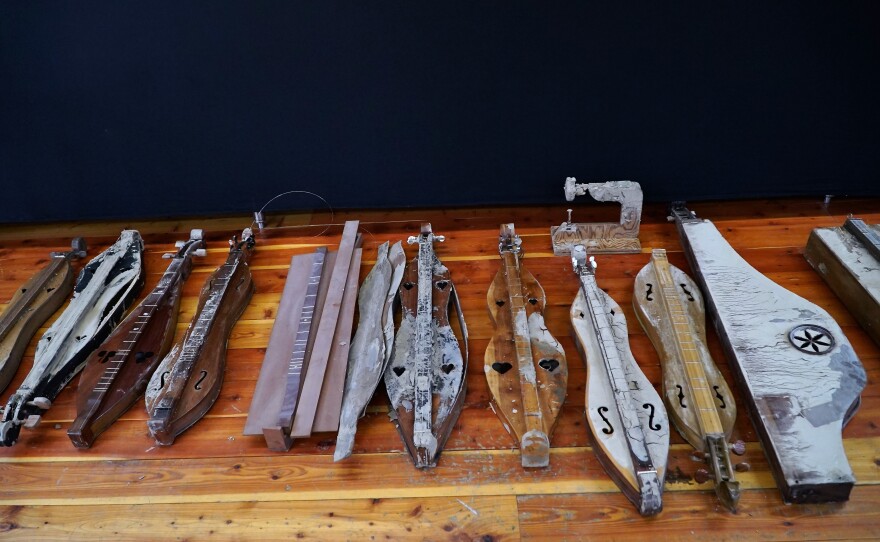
(188, 380)
(117, 372)
(625, 416)
(799, 374)
(106, 286)
(670, 308)
(32, 304)
(524, 364)
(425, 378)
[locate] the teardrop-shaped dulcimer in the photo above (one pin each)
(626, 419)
(117, 372)
(106, 286)
(32, 304)
(670, 308)
(188, 380)
(524, 365)
(425, 378)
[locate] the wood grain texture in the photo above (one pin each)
(126, 487)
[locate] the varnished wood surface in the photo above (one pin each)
(214, 483)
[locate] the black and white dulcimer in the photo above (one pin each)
(525, 365)
(32, 304)
(798, 372)
(106, 286)
(425, 378)
(670, 308)
(626, 419)
(188, 380)
(117, 372)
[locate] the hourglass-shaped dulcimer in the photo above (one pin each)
(625, 416)
(117, 372)
(669, 306)
(188, 380)
(32, 304)
(799, 374)
(524, 365)
(425, 377)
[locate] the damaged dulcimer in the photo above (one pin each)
(425, 378)
(670, 308)
(106, 286)
(529, 397)
(625, 416)
(188, 380)
(117, 372)
(798, 372)
(32, 304)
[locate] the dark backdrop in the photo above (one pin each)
(135, 109)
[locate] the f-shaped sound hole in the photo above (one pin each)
(650, 292)
(202, 377)
(609, 429)
(687, 292)
(681, 396)
(720, 397)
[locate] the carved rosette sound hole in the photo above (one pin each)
(811, 339)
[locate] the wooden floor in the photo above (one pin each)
(214, 483)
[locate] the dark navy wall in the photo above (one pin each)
(136, 109)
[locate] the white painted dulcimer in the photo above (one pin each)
(797, 371)
(104, 289)
(524, 365)
(425, 378)
(670, 308)
(188, 380)
(626, 419)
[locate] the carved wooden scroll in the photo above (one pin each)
(626, 419)
(425, 378)
(669, 306)
(106, 286)
(602, 237)
(798, 372)
(848, 259)
(117, 372)
(371, 345)
(299, 390)
(524, 364)
(32, 304)
(187, 382)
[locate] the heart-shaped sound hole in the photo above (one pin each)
(501, 367)
(409, 285)
(442, 284)
(549, 364)
(398, 370)
(447, 368)
(533, 300)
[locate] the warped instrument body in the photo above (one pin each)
(372, 342)
(425, 378)
(106, 286)
(670, 308)
(32, 304)
(798, 372)
(625, 416)
(525, 366)
(187, 382)
(117, 372)
(848, 259)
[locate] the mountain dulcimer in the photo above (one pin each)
(848, 259)
(425, 378)
(625, 416)
(670, 308)
(32, 304)
(188, 380)
(799, 374)
(106, 286)
(117, 372)
(372, 342)
(524, 365)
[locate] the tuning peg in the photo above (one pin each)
(258, 218)
(32, 421)
(738, 447)
(412, 239)
(40, 402)
(742, 467)
(167, 256)
(593, 262)
(179, 244)
(702, 476)
(440, 238)
(197, 234)
(569, 217)
(200, 252)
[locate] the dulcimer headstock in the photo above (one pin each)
(509, 241)
(581, 264)
(679, 213)
(195, 246)
(426, 236)
(243, 246)
(77, 250)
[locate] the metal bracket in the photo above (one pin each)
(604, 237)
